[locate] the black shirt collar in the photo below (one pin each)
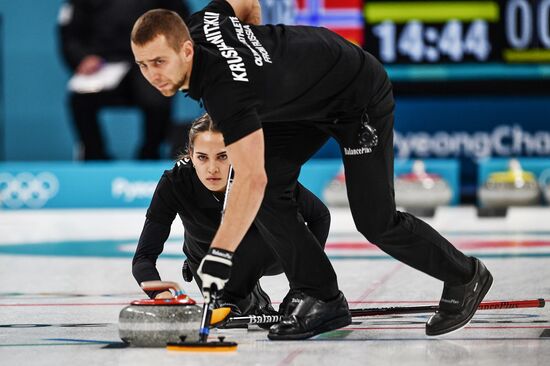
(194, 90)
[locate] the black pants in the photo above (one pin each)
(369, 183)
(254, 258)
(133, 90)
(251, 261)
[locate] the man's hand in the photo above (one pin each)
(247, 11)
(214, 271)
(89, 65)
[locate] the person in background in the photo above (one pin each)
(93, 33)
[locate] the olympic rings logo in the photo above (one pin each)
(27, 190)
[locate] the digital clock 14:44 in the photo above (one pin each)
(426, 43)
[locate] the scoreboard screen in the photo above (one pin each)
(445, 42)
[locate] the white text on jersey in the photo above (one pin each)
(213, 35)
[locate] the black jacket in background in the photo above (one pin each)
(103, 27)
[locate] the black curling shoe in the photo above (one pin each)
(311, 317)
(458, 304)
(261, 305)
(289, 303)
(257, 303)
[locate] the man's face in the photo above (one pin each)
(166, 69)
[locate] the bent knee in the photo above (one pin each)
(376, 228)
(386, 231)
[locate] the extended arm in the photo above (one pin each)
(160, 215)
(248, 11)
(247, 158)
(150, 245)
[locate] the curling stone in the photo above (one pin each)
(544, 184)
(547, 193)
(157, 322)
(421, 190)
(514, 187)
(335, 193)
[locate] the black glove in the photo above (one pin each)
(214, 271)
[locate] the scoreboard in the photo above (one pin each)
(461, 41)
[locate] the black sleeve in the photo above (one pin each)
(315, 213)
(233, 108)
(150, 245)
(160, 215)
(163, 207)
(73, 31)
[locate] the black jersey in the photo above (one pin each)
(247, 75)
(103, 27)
(180, 192)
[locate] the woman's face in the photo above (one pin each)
(210, 160)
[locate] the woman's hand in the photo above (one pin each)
(164, 295)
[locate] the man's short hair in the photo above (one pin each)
(159, 22)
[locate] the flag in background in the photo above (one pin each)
(278, 11)
(344, 17)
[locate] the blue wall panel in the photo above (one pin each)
(36, 119)
(36, 124)
(131, 184)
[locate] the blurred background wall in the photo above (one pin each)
(33, 79)
(470, 107)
